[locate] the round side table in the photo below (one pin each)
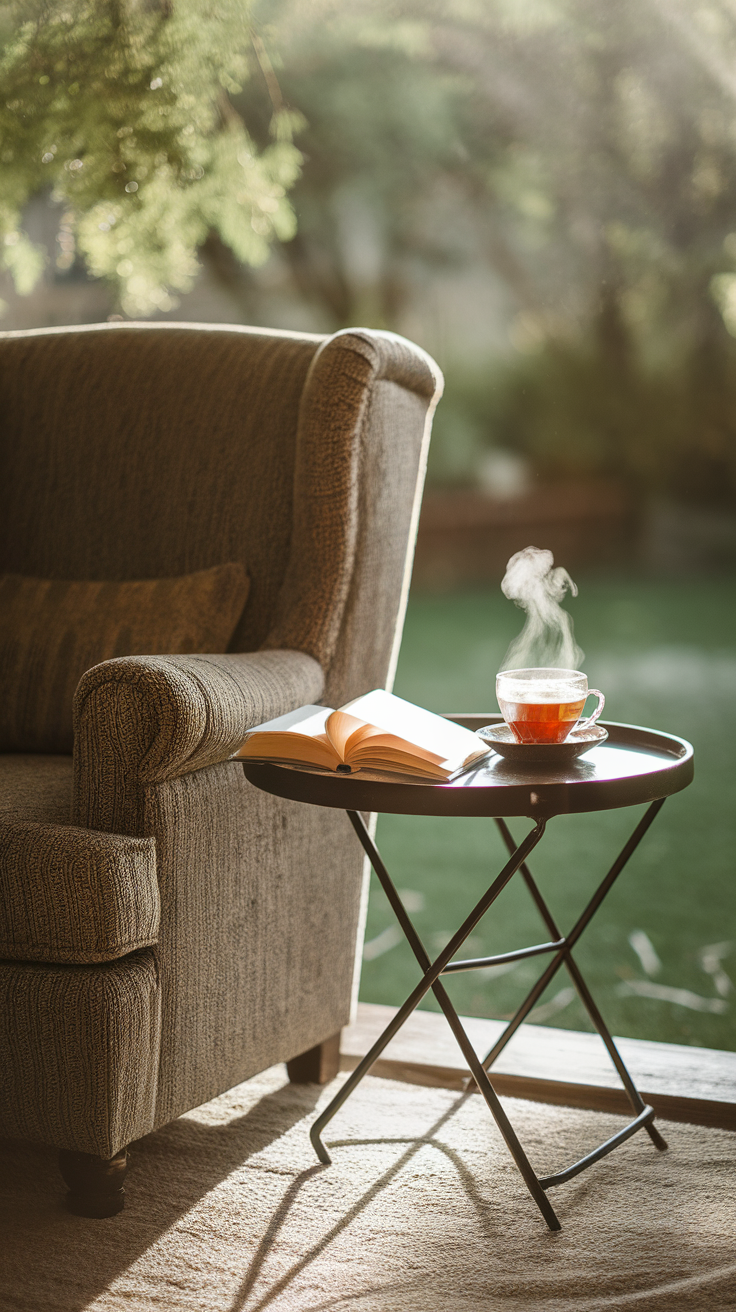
(634, 766)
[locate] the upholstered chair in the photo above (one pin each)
(167, 930)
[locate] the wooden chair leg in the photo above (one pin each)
(95, 1183)
(317, 1066)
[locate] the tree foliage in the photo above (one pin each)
(123, 110)
(585, 154)
(579, 154)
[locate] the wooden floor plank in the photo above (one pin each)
(573, 1069)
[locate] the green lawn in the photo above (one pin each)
(664, 653)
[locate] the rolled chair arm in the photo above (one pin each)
(142, 720)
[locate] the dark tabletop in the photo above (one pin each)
(635, 765)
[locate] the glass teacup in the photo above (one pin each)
(543, 705)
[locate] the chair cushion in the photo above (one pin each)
(67, 894)
(52, 631)
(36, 788)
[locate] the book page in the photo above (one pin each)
(291, 748)
(299, 736)
(441, 739)
(343, 730)
(392, 758)
(377, 730)
(305, 719)
(373, 743)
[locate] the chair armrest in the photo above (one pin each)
(142, 720)
(75, 896)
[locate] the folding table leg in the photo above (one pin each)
(565, 956)
(562, 947)
(432, 971)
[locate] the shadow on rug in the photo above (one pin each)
(421, 1211)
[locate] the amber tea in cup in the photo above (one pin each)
(543, 705)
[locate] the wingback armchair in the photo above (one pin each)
(167, 930)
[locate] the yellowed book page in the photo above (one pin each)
(355, 741)
(342, 728)
(403, 763)
(298, 736)
(376, 744)
(440, 739)
(307, 749)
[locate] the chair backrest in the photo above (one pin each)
(152, 450)
(146, 450)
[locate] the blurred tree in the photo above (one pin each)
(123, 110)
(619, 176)
(586, 153)
(385, 152)
(583, 153)
(592, 148)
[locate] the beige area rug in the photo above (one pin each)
(421, 1211)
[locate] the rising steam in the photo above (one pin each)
(547, 637)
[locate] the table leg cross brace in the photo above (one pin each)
(561, 946)
(430, 980)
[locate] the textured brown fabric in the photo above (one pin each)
(67, 894)
(223, 445)
(143, 720)
(344, 459)
(79, 1049)
(51, 631)
(73, 895)
(390, 489)
(258, 927)
(143, 450)
(36, 788)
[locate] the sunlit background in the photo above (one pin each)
(542, 193)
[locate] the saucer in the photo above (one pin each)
(578, 741)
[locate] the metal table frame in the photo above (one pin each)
(559, 946)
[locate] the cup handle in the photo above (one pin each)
(588, 724)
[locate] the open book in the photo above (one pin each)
(375, 732)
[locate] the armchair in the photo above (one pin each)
(167, 930)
